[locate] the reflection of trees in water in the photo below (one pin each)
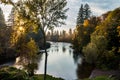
(70, 51)
(39, 59)
(76, 57)
(63, 49)
(84, 70)
(57, 49)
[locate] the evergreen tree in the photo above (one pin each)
(87, 11)
(80, 18)
(83, 14)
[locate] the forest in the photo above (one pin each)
(30, 29)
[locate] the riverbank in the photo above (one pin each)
(109, 73)
(11, 54)
(12, 73)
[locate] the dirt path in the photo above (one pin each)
(111, 73)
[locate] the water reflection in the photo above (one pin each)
(60, 62)
(84, 70)
(63, 49)
(77, 58)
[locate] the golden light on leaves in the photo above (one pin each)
(86, 23)
(21, 29)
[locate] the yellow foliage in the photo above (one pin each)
(86, 23)
(85, 32)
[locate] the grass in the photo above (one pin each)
(40, 77)
(101, 78)
(11, 73)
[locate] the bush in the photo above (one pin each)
(11, 73)
(90, 53)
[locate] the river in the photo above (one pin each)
(62, 62)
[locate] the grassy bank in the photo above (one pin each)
(11, 73)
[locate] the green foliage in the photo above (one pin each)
(11, 73)
(106, 42)
(83, 14)
(85, 27)
(80, 18)
(82, 34)
(28, 55)
(90, 53)
(87, 11)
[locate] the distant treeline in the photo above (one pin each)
(60, 36)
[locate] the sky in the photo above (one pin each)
(97, 7)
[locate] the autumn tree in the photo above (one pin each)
(106, 41)
(83, 28)
(30, 58)
(44, 15)
(51, 13)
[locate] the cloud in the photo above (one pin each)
(99, 7)
(97, 10)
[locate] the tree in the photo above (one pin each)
(29, 59)
(80, 17)
(87, 12)
(11, 18)
(3, 37)
(63, 34)
(41, 14)
(51, 13)
(83, 14)
(106, 40)
(83, 28)
(70, 32)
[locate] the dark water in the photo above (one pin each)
(61, 61)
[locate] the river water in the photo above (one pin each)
(61, 61)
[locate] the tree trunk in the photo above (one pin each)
(45, 68)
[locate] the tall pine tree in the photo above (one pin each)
(83, 14)
(80, 17)
(87, 12)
